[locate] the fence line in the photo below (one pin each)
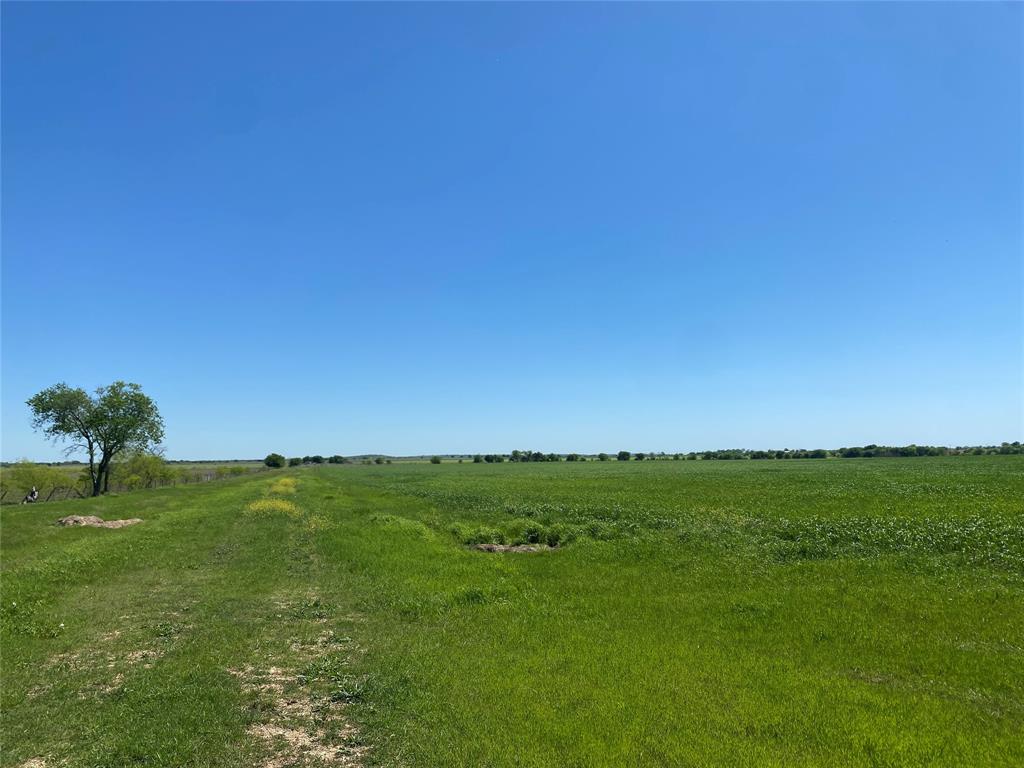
(203, 476)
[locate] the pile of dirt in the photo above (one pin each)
(512, 547)
(96, 522)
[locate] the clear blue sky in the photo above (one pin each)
(324, 228)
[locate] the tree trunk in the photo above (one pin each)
(101, 478)
(93, 474)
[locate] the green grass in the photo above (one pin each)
(836, 612)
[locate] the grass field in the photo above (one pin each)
(812, 613)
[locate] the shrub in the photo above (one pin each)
(558, 535)
(602, 457)
(624, 456)
(478, 459)
(379, 460)
(480, 535)
(147, 470)
(294, 462)
(275, 460)
(132, 482)
(435, 459)
(19, 479)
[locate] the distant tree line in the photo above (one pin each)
(275, 460)
(733, 454)
(524, 456)
(727, 454)
(862, 452)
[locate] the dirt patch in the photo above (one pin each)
(273, 681)
(35, 762)
(145, 656)
(292, 745)
(95, 522)
(300, 722)
(290, 733)
(513, 547)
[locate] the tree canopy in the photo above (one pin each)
(119, 417)
(275, 460)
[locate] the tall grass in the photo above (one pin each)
(812, 613)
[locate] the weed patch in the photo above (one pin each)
(271, 507)
(284, 486)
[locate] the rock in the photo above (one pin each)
(96, 522)
(511, 547)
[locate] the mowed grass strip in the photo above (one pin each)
(691, 613)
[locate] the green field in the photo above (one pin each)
(819, 612)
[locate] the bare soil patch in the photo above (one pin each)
(521, 548)
(95, 522)
(293, 746)
(300, 726)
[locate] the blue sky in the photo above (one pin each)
(325, 228)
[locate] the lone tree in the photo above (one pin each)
(119, 417)
(275, 460)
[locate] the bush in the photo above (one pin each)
(603, 457)
(379, 460)
(435, 459)
(19, 479)
(147, 470)
(478, 459)
(294, 462)
(480, 535)
(275, 461)
(558, 535)
(624, 456)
